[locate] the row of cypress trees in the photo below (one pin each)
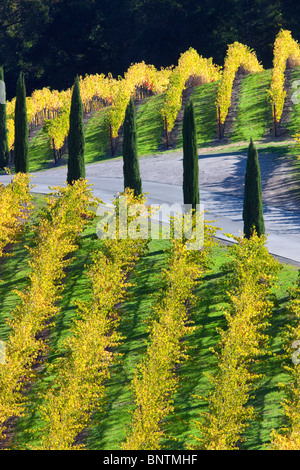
(252, 208)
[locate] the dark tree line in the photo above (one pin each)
(52, 41)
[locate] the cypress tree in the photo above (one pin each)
(76, 140)
(190, 157)
(131, 169)
(4, 150)
(253, 206)
(21, 127)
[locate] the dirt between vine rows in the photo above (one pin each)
(218, 173)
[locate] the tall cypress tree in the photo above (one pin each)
(4, 149)
(76, 140)
(131, 169)
(253, 205)
(21, 127)
(190, 157)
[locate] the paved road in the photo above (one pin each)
(282, 224)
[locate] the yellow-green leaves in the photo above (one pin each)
(56, 236)
(238, 55)
(253, 271)
(155, 381)
(79, 385)
(15, 205)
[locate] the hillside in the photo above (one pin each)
(249, 115)
(137, 342)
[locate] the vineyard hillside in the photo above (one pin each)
(249, 115)
(120, 331)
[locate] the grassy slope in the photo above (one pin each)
(40, 152)
(109, 427)
(204, 98)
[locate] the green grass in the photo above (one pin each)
(204, 99)
(253, 118)
(254, 113)
(14, 270)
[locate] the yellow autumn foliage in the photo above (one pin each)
(56, 236)
(155, 381)
(15, 205)
(190, 64)
(285, 48)
(238, 55)
(288, 436)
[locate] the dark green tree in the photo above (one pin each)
(21, 128)
(253, 205)
(131, 169)
(4, 150)
(190, 157)
(76, 141)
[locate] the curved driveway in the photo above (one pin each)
(221, 182)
